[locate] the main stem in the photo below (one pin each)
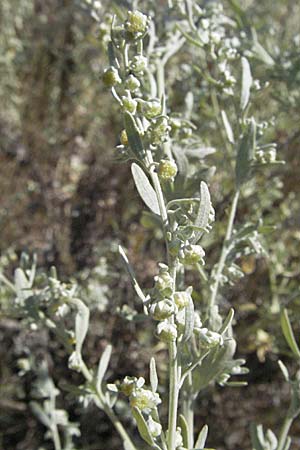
(284, 433)
(224, 251)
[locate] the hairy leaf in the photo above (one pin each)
(153, 375)
(103, 365)
(200, 443)
(202, 219)
(142, 426)
(146, 191)
(288, 333)
(184, 430)
(133, 134)
(246, 83)
(227, 127)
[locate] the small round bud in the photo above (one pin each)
(139, 64)
(129, 384)
(166, 332)
(111, 77)
(163, 281)
(159, 131)
(162, 309)
(167, 170)
(124, 138)
(208, 339)
(155, 428)
(181, 299)
(144, 399)
(151, 109)
(132, 83)
(136, 22)
(191, 254)
(129, 104)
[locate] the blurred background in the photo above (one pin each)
(64, 197)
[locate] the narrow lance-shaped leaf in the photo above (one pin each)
(146, 191)
(200, 443)
(257, 437)
(246, 82)
(189, 320)
(41, 415)
(133, 135)
(227, 322)
(131, 273)
(153, 375)
(103, 365)
(227, 127)
(142, 426)
(202, 219)
(245, 155)
(81, 323)
(288, 443)
(184, 430)
(288, 333)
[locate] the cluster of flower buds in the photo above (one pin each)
(144, 399)
(190, 254)
(167, 170)
(266, 155)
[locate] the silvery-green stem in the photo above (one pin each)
(173, 395)
(284, 433)
(224, 252)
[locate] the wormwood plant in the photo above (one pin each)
(168, 167)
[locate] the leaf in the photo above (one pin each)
(246, 83)
(131, 273)
(227, 127)
(200, 153)
(202, 219)
(189, 320)
(257, 436)
(184, 430)
(284, 371)
(133, 135)
(288, 443)
(227, 322)
(153, 375)
(128, 445)
(40, 414)
(144, 188)
(22, 284)
(103, 365)
(181, 160)
(288, 333)
(142, 426)
(200, 443)
(81, 323)
(245, 155)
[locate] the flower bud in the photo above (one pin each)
(155, 428)
(132, 83)
(159, 131)
(129, 104)
(124, 138)
(208, 339)
(162, 309)
(167, 170)
(111, 77)
(151, 109)
(191, 254)
(163, 281)
(139, 64)
(129, 384)
(144, 399)
(181, 299)
(75, 361)
(166, 332)
(136, 22)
